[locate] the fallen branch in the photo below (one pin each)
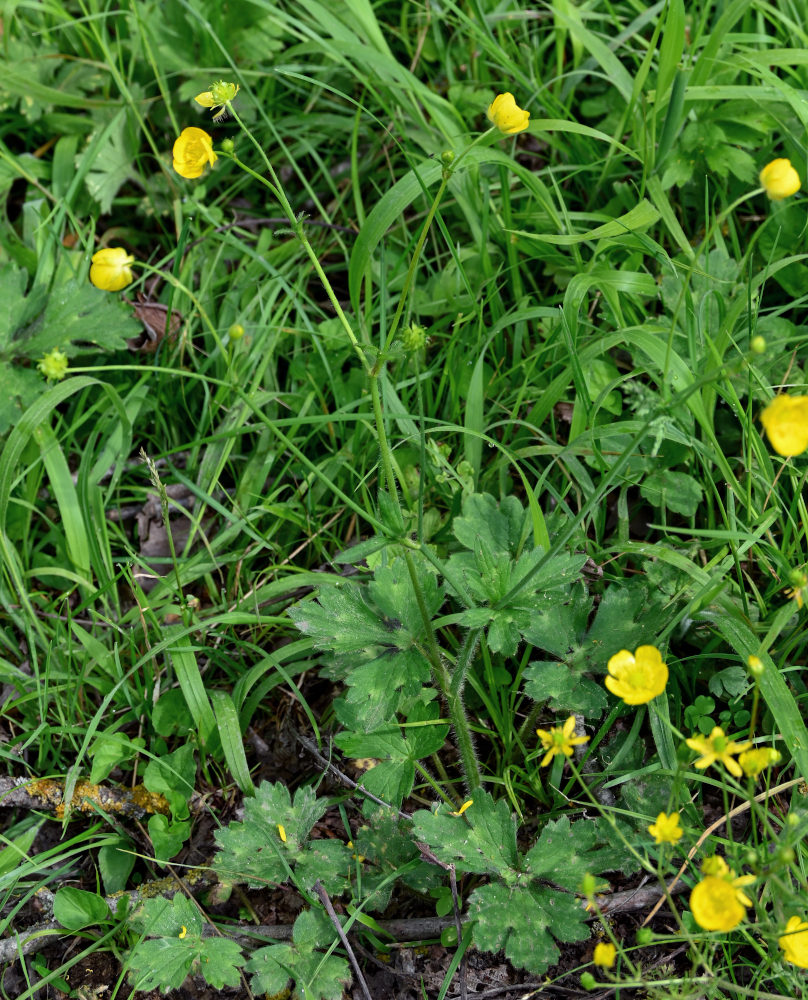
(197, 880)
(47, 795)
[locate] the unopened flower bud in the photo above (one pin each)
(758, 344)
(588, 885)
(227, 146)
(588, 981)
(236, 331)
(756, 666)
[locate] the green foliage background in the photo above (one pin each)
(576, 448)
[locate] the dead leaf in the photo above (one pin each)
(152, 315)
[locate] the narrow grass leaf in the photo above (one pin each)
(227, 722)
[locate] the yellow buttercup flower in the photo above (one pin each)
(637, 677)
(666, 830)
(785, 420)
(506, 114)
(559, 740)
(53, 365)
(754, 762)
(193, 150)
(110, 269)
(604, 954)
(716, 747)
(218, 95)
(715, 906)
(716, 867)
(779, 179)
(795, 942)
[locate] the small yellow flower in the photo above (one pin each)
(110, 269)
(754, 762)
(559, 740)
(785, 420)
(604, 955)
(282, 832)
(779, 179)
(506, 114)
(715, 905)
(53, 365)
(218, 95)
(666, 830)
(463, 808)
(192, 151)
(716, 747)
(357, 857)
(637, 677)
(795, 942)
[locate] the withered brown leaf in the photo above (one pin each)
(152, 315)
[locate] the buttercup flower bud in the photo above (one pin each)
(588, 981)
(506, 114)
(755, 666)
(588, 885)
(779, 179)
(236, 331)
(447, 158)
(228, 146)
(110, 269)
(758, 345)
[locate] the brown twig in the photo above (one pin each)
(329, 909)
